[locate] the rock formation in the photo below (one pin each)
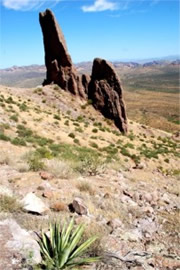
(60, 69)
(103, 88)
(105, 91)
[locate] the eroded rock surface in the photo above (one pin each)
(105, 91)
(103, 88)
(60, 69)
(17, 245)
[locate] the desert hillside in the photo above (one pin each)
(151, 89)
(63, 155)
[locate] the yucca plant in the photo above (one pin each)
(61, 248)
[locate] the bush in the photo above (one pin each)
(4, 137)
(61, 249)
(14, 117)
(95, 130)
(71, 135)
(93, 144)
(34, 161)
(57, 117)
(23, 107)
(9, 204)
(18, 141)
(59, 168)
(90, 166)
(85, 187)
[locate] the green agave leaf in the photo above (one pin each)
(67, 233)
(52, 236)
(44, 252)
(83, 247)
(76, 231)
(75, 240)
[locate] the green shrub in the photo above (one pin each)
(66, 122)
(95, 130)
(34, 161)
(71, 135)
(57, 117)
(18, 141)
(76, 141)
(90, 166)
(4, 137)
(166, 160)
(93, 144)
(10, 100)
(23, 107)
(79, 129)
(62, 248)
(14, 117)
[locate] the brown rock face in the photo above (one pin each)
(105, 91)
(60, 69)
(103, 88)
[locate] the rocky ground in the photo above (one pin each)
(60, 158)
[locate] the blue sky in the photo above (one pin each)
(111, 29)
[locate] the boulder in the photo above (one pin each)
(17, 243)
(105, 91)
(78, 207)
(46, 175)
(31, 203)
(60, 69)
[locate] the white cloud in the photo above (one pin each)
(100, 5)
(25, 5)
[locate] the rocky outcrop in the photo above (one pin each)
(103, 88)
(105, 91)
(60, 69)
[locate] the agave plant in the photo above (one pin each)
(61, 248)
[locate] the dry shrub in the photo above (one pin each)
(59, 168)
(59, 206)
(9, 204)
(86, 187)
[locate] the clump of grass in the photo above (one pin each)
(90, 166)
(57, 117)
(18, 141)
(76, 141)
(79, 129)
(94, 130)
(59, 168)
(93, 144)
(14, 117)
(9, 204)
(10, 100)
(56, 87)
(23, 107)
(38, 91)
(86, 187)
(71, 135)
(34, 161)
(3, 137)
(66, 123)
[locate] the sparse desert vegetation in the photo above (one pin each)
(74, 162)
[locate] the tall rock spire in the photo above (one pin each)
(60, 69)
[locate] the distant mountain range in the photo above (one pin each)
(33, 75)
(87, 65)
